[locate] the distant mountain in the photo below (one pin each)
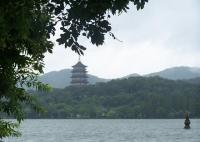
(178, 73)
(61, 79)
(132, 75)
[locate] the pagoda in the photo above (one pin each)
(79, 74)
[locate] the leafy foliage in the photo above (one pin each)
(25, 29)
(23, 41)
(87, 18)
(135, 97)
(8, 129)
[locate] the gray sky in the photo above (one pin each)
(166, 33)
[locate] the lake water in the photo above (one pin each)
(99, 130)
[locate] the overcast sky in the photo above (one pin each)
(166, 33)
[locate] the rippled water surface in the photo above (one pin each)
(98, 130)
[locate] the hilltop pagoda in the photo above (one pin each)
(79, 74)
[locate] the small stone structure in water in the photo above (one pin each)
(187, 121)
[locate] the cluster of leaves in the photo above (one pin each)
(89, 18)
(128, 98)
(8, 129)
(23, 42)
(25, 29)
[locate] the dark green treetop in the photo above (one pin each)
(25, 30)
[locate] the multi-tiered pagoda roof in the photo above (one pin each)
(79, 74)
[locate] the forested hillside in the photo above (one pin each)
(136, 97)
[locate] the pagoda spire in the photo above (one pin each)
(79, 58)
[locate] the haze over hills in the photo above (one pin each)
(61, 79)
(132, 75)
(178, 73)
